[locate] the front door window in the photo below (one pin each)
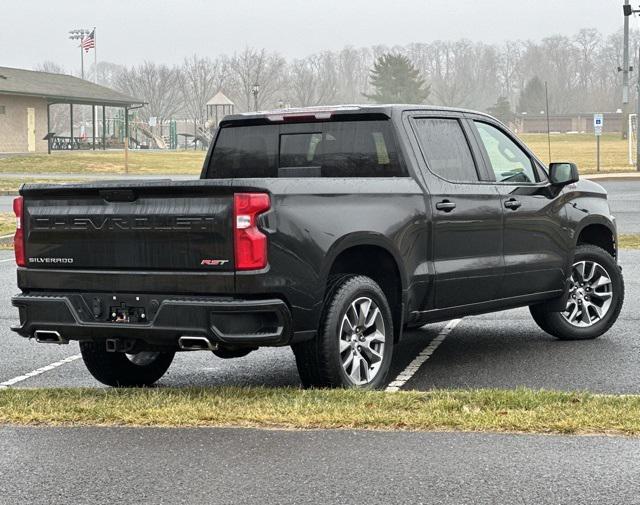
(509, 162)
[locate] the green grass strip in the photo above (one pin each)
(519, 410)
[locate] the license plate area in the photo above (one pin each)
(125, 314)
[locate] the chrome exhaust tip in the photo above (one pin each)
(49, 337)
(194, 343)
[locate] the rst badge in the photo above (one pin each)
(213, 263)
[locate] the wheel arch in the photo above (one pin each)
(598, 231)
(376, 257)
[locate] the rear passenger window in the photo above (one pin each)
(445, 149)
(359, 149)
(324, 149)
(244, 151)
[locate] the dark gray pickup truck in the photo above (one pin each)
(329, 230)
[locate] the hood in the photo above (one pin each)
(588, 186)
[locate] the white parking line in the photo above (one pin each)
(421, 358)
(8, 259)
(39, 371)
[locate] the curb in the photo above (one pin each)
(620, 176)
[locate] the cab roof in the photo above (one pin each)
(326, 112)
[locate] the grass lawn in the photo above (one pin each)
(13, 185)
(520, 410)
(107, 162)
(581, 149)
(7, 223)
(630, 241)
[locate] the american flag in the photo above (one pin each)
(89, 42)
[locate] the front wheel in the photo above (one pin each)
(595, 299)
(354, 345)
(118, 369)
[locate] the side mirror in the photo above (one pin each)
(564, 173)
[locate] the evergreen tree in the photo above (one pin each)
(501, 110)
(532, 99)
(396, 80)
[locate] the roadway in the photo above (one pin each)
(52, 466)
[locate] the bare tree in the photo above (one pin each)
(353, 74)
(159, 85)
(200, 79)
(109, 73)
(52, 67)
(508, 70)
(256, 66)
(313, 80)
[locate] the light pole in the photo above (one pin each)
(628, 10)
(626, 68)
(79, 34)
(254, 91)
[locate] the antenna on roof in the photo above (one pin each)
(546, 97)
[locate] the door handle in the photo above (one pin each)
(512, 204)
(445, 206)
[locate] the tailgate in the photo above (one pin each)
(143, 227)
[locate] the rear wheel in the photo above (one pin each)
(354, 344)
(596, 295)
(118, 369)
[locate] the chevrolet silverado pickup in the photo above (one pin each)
(329, 230)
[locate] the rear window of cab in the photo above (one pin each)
(320, 149)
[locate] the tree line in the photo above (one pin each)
(580, 71)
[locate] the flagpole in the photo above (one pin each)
(95, 79)
(81, 60)
(95, 55)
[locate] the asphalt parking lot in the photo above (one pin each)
(502, 350)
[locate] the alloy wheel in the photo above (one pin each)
(362, 341)
(590, 294)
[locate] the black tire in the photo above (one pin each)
(319, 361)
(117, 370)
(555, 323)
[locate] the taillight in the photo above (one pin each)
(250, 242)
(18, 238)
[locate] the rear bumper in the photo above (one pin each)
(228, 321)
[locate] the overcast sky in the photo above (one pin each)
(130, 31)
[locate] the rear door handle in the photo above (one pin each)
(445, 206)
(512, 204)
